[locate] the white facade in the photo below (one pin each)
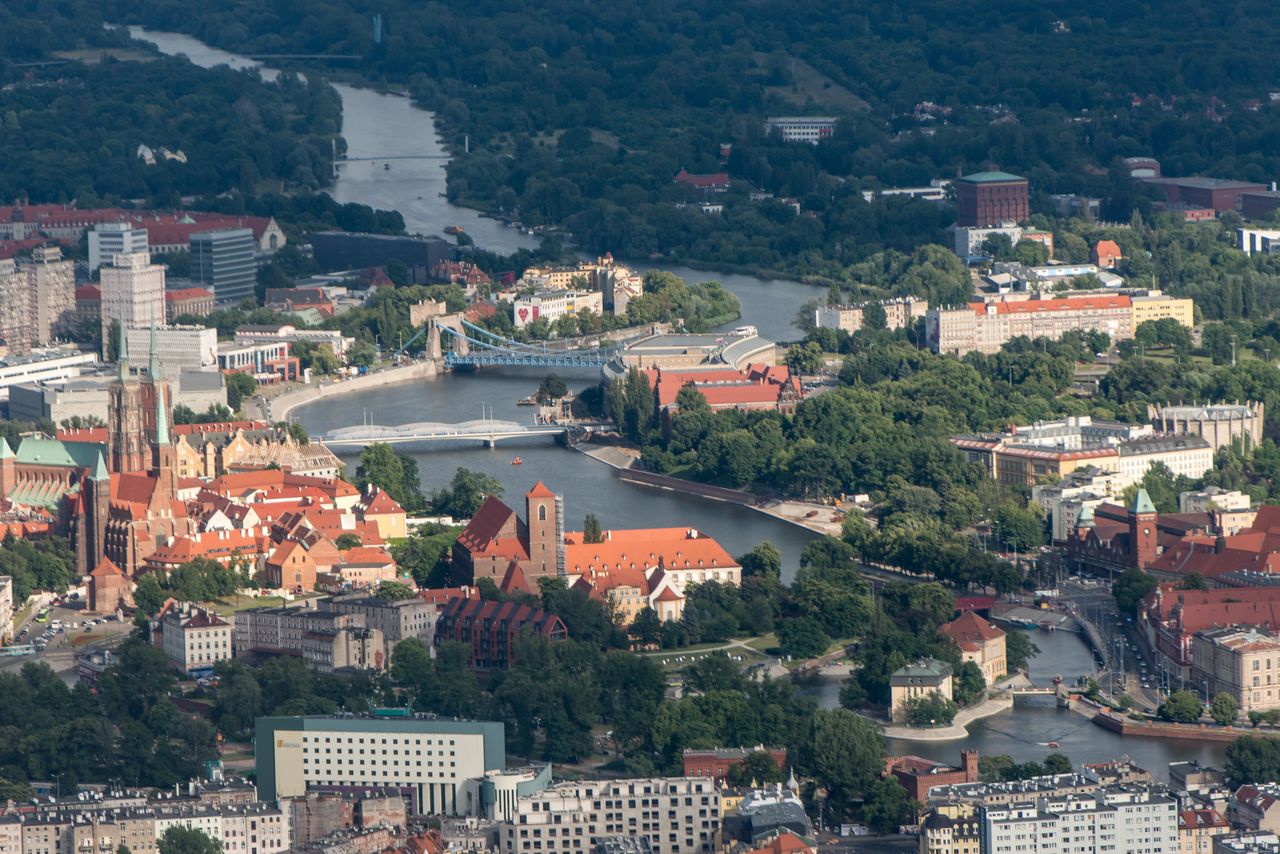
(552, 305)
(256, 828)
(968, 240)
(810, 129)
(132, 294)
(109, 239)
(677, 815)
(42, 366)
(1120, 819)
(53, 293)
(193, 638)
(6, 608)
(331, 338)
(1063, 501)
(1251, 240)
(1213, 498)
(1187, 455)
(177, 347)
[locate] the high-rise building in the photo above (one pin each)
(223, 261)
(52, 281)
(1117, 818)
(109, 239)
(132, 293)
(15, 308)
(986, 199)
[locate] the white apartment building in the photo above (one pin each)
(255, 828)
(1063, 501)
(552, 305)
(675, 815)
(1249, 842)
(6, 608)
(432, 758)
(16, 334)
(898, 314)
(109, 239)
(1213, 498)
(810, 129)
(132, 293)
(331, 338)
(1119, 819)
(192, 638)
(178, 347)
(1264, 240)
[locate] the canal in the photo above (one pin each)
(378, 125)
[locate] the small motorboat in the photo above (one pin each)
(386, 167)
(1053, 744)
(516, 461)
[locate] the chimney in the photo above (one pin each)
(1220, 544)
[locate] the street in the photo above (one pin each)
(63, 644)
(1128, 669)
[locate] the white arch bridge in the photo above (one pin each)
(488, 431)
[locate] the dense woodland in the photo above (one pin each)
(572, 123)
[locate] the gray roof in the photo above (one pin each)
(200, 380)
(925, 668)
(1159, 444)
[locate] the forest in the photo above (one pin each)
(571, 123)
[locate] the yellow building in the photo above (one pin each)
(979, 642)
(951, 829)
(1031, 465)
(917, 680)
(1244, 663)
(1158, 306)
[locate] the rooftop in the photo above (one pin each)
(993, 177)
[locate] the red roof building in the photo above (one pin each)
(196, 302)
(918, 775)
(716, 182)
(1106, 254)
(491, 630)
(717, 762)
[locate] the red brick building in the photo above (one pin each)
(1259, 205)
(716, 762)
(918, 775)
(986, 199)
(1220, 194)
(491, 629)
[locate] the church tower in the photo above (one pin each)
(126, 445)
(164, 455)
(544, 513)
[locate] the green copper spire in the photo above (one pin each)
(6, 453)
(153, 364)
(100, 470)
(162, 420)
(1142, 503)
(122, 352)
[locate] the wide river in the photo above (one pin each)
(388, 126)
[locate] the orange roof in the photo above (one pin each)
(367, 554)
(106, 568)
(380, 502)
(540, 490)
(181, 294)
(1033, 306)
(669, 594)
(785, 843)
(970, 630)
(644, 548)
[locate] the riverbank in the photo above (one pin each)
(958, 728)
(278, 406)
(1162, 729)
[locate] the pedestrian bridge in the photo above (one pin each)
(487, 431)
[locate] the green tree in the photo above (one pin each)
(395, 591)
(764, 560)
(933, 709)
(148, 596)
(552, 388)
(804, 358)
(1130, 588)
(758, 769)
(240, 386)
(970, 686)
(1019, 649)
(395, 473)
(348, 541)
(1223, 709)
(466, 492)
(1253, 759)
(803, 638)
(410, 663)
(591, 530)
(1057, 763)
(646, 628)
(845, 754)
(1193, 581)
(1182, 707)
(187, 840)
(888, 806)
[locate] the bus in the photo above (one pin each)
(42, 616)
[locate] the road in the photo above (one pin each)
(1127, 664)
(60, 654)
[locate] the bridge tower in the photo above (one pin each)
(435, 346)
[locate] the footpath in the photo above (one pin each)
(277, 406)
(958, 728)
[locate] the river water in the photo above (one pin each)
(381, 125)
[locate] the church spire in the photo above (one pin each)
(122, 351)
(162, 419)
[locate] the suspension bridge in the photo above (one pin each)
(487, 431)
(474, 347)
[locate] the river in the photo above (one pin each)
(377, 125)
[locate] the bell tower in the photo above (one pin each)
(126, 446)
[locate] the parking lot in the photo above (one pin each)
(55, 634)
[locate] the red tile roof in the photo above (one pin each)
(182, 294)
(540, 490)
(645, 548)
(970, 629)
(1033, 306)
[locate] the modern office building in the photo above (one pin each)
(109, 239)
(428, 759)
(223, 262)
(178, 348)
(132, 293)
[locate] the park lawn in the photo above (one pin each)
(239, 602)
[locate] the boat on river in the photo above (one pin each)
(453, 229)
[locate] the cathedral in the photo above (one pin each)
(129, 504)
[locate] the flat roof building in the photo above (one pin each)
(223, 261)
(986, 199)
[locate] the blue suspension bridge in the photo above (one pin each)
(474, 346)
